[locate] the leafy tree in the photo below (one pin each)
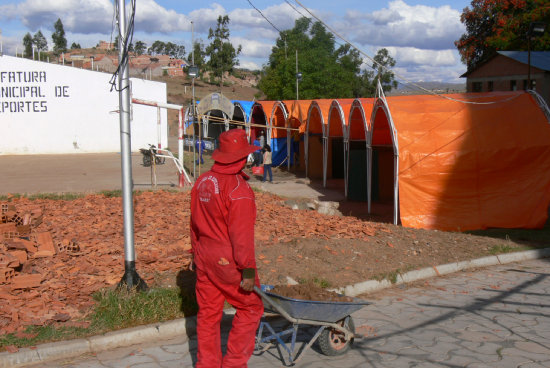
(383, 63)
(327, 71)
(493, 25)
(199, 57)
(40, 41)
(115, 43)
(140, 47)
(75, 46)
(27, 44)
(157, 48)
(175, 51)
(58, 38)
(222, 55)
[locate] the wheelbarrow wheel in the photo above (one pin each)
(332, 342)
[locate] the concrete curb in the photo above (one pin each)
(177, 328)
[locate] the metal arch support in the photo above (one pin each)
(325, 159)
(385, 107)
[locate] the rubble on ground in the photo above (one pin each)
(55, 254)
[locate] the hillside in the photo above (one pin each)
(180, 92)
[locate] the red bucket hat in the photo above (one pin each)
(233, 147)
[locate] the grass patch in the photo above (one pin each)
(501, 249)
(115, 310)
(51, 196)
(111, 193)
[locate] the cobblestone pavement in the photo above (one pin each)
(493, 317)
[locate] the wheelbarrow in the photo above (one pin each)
(335, 332)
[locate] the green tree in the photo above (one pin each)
(75, 46)
(157, 48)
(140, 47)
(382, 66)
(327, 71)
(175, 51)
(500, 25)
(40, 41)
(199, 57)
(58, 38)
(221, 53)
(27, 44)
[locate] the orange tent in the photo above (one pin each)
(296, 119)
(467, 161)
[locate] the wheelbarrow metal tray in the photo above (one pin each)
(322, 311)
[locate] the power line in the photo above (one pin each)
(262, 14)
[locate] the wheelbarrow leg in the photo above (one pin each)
(301, 353)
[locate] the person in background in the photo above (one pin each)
(200, 146)
(223, 213)
(257, 154)
(262, 138)
(267, 162)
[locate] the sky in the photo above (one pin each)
(419, 34)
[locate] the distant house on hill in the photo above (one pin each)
(508, 71)
(140, 66)
(103, 45)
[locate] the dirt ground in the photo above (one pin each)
(302, 244)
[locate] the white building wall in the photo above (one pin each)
(49, 108)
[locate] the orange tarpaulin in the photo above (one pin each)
(471, 166)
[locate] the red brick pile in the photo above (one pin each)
(55, 254)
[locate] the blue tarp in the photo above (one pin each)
(247, 107)
(278, 149)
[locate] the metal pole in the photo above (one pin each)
(297, 97)
(33, 52)
(529, 60)
(130, 279)
(16, 48)
(194, 106)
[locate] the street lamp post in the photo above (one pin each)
(535, 29)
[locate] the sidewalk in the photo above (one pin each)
(475, 318)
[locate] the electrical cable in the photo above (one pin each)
(125, 41)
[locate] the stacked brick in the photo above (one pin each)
(55, 254)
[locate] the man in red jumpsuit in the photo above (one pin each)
(223, 212)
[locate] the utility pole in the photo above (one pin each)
(297, 97)
(194, 107)
(130, 279)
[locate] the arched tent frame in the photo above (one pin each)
(339, 109)
(320, 107)
(260, 108)
(296, 119)
(357, 108)
(243, 109)
(381, 106)
(277, 128)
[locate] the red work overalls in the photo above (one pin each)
(223, 212)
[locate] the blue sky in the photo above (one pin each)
(419, 34)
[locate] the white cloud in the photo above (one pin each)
(82, 16)
(252, 48)
(151, 17)
(400, 24)
(250, 65)
(412, 56)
